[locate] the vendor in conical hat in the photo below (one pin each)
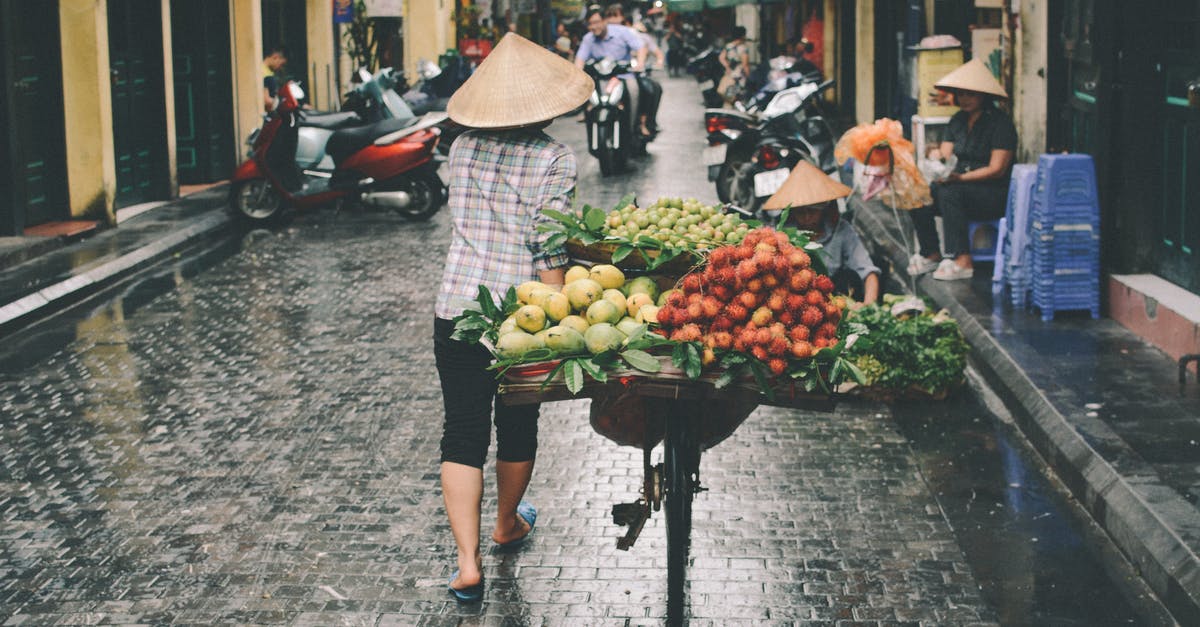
(981, 140)
(502, 174)
(811, 198)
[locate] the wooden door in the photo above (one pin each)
(33, 169)
(138, 102)
(204, 133)
(1178, 106)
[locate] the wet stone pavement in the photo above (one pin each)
(259, 444)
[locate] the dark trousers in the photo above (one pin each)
(848, 283)
(958, 204)
(469, 394)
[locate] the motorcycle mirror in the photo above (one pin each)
(296, 91)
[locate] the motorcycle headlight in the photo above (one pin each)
(594, 98)
(618, 90)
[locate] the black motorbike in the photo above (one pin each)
(706, 67)
(611, 122)
(791, 127)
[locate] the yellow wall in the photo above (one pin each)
(87, 108)
(245, 27)
(169, 98)
(428, 31)
(864, 68)
(1029, 88)
(321, 75)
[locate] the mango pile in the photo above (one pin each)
(678, 223)
(760, 297)
(596, 310)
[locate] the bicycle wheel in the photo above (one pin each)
(681, 461)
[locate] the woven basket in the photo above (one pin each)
(602, 252)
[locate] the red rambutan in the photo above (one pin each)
(676, 299)
(754, 285)
(799, 334)
(736, 312)
(781, 239)
(770, 281)
(721, 323)
(690, 331)
(823, 283)
(763, 337)
(799, 259)
(776, 303)
(764, 258)
(833, 313)
(795, 303)
(749, 300)
(739, 345)
(802, 349)
(695, 311)
(800, 280)
(777, 366)
(720, 292)
(725, 276)
(778, 347)
(747, 270)
(811, 317)
(781, 266)
(691, 283)
(759, 352)
(722, 340)
(720, 257)
(761, 316)
(711, 307)
(828, 330)
(787, 318)
(816, 298)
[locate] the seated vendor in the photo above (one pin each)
(813, 200)
(983, 139)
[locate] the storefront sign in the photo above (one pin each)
(385, 8)
(343, 11)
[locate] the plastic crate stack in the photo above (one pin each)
(1064, 235)
(1012, 269)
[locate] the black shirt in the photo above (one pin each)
(992, 131)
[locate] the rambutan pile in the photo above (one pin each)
(761, 297)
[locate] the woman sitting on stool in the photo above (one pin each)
(983, 139)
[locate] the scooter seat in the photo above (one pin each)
(348, 141)
(330, 121)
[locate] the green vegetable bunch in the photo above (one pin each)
(927, 351)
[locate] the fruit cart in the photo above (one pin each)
(688, 416)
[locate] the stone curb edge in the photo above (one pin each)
(1120, 504)
(64, 293)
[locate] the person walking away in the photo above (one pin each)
(735, 57)
(676, 56)
(562, 45)
(504, 172)
(812, 197)
(272, 66)
(983, 139)
(651, 90)
(618, 43)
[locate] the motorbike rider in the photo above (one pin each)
(616, 42)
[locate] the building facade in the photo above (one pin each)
(110, 103)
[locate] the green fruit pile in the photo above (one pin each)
(678, 223)
(595, 311)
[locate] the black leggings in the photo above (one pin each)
(469, 392)
(958, 204)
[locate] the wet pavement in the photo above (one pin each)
(249, 435)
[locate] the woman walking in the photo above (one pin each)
(503, 173)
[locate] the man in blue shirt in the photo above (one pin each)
(616, 42)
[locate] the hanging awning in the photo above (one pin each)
(686, 6)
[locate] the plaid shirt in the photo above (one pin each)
(499, 184)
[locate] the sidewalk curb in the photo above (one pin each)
(70, 291)
(1126, 502)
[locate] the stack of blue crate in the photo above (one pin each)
(1064, 235)
(1012, 262)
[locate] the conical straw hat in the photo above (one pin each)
(806, 185)
(519, 84)
(973, 76)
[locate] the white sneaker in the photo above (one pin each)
(950, 271)
(920, 265)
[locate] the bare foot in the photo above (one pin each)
(470, 573)
(515, 530)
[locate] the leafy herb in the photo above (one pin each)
(925, 351)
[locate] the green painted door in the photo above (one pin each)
(139, 104)
(204, 135)
(33, 169)
(1179, 108)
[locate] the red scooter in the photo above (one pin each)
(390, 164)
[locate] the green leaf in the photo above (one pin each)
(606, 359)
(588, 239)
(555, 241)
(726, 378)
(650, 242)
(550, 377)
(622, 252)
(561, 217)
(573, 376)
(592, 369)
(783, 215)
(759, 370)
(593, 218)
(679, 355)
(626, 200)
(537, 354)
(486, 304)
(641, 360)
(635, 336)
(856, 373)
(694, 364)
(510, 303)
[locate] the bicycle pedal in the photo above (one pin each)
(625, 514)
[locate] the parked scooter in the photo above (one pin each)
(389, 164)
(376, 97)
(611, 122)
(790, 128)
(706, 67)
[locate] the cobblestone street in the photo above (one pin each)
(260, 445)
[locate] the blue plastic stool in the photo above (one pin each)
(983, 237)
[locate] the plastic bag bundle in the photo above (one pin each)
(887, 157)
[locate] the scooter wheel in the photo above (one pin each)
(427, 194)
(255, 202)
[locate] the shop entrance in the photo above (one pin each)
(204, 144)
(1179, 108)
(139, 105)
(284, 24)
(33, 164)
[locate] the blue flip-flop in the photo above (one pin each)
(470, 594)
(528, 513)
